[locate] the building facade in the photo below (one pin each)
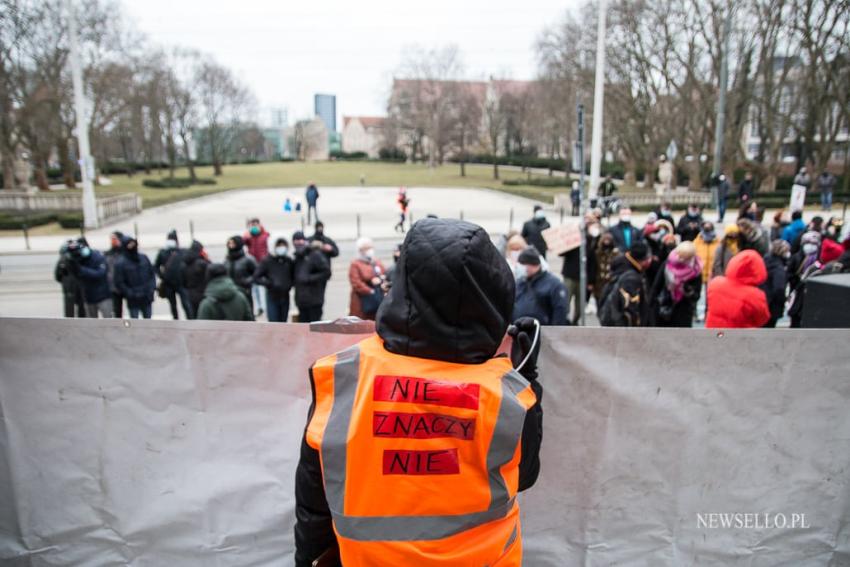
(363, 134)
(325, 108)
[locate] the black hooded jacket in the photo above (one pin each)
(451, 300)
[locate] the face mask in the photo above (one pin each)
(693, 213)
(709, 236)
(626, 219)
(171, 244)
(514, 255)
(281, 250)
(320, 230)
(255, 230)
(369, 253)
(809, 249)
(593, 231)
(655, 236)
(539, 215)
(85, 252)
(299, 246)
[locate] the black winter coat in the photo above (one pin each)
(312, 272)
(241, 268)
(624, 301)
(532, 231)
(572, 269)
(543, 297)
(93, 274)
(168, 265)
(135, 279)
(689, 227)
(277, 275)
(618, 231)
(682, 314)
(775, 287)
(194, 275)
(455, 311)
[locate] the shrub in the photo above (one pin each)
(348, 156)
(14, 220)
(392, 155)
(176, 182)
(70, 220)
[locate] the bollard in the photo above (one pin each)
(511, 220)
(136, 230)
(358, 225)
(302, 223)
(461, 214)
(26, 235)
(410, 219)
(192, 229)
(562, 215)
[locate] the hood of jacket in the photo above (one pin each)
(221, 288)
(452, 295)
(747, 268)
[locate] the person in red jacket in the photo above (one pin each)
(256, 240)
(734, 301)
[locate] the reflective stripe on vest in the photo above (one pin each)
(503, 444)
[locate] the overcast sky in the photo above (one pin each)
(287, 50)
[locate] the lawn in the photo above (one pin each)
(327, 174)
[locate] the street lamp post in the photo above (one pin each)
(86, 162)
(598, 101)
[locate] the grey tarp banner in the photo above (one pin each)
(163, 443)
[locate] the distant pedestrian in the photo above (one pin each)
(90, 267)
(240, 266)
(747, 188)
(391, 271)
(223, 299)
(723, 189)
(367, 277)
(277, 274)
(539, 294)
(575, 199)
(168, 266)
(734, 299)
(604, 252)
(74, 304)
(112, 256)
(312, 272)
(135, 279)
(312, 197)
(403, 203)
(256, 240)
(532, 230)
(194, 275)
(826, 185)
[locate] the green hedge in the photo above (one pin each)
(70, 220)
(349, 156)
(14, 220)
(176, 182)
(540, 182)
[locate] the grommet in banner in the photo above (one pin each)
(720, 334)
(126, 323)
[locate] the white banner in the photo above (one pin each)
(165, 443)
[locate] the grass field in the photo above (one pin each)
(327, 174)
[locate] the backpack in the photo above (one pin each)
(612, 309)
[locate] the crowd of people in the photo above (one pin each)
(253, 279)
(658, 275)
(668, 273)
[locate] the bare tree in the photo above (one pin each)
(223, 103)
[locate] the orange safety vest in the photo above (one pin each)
(420, 458)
